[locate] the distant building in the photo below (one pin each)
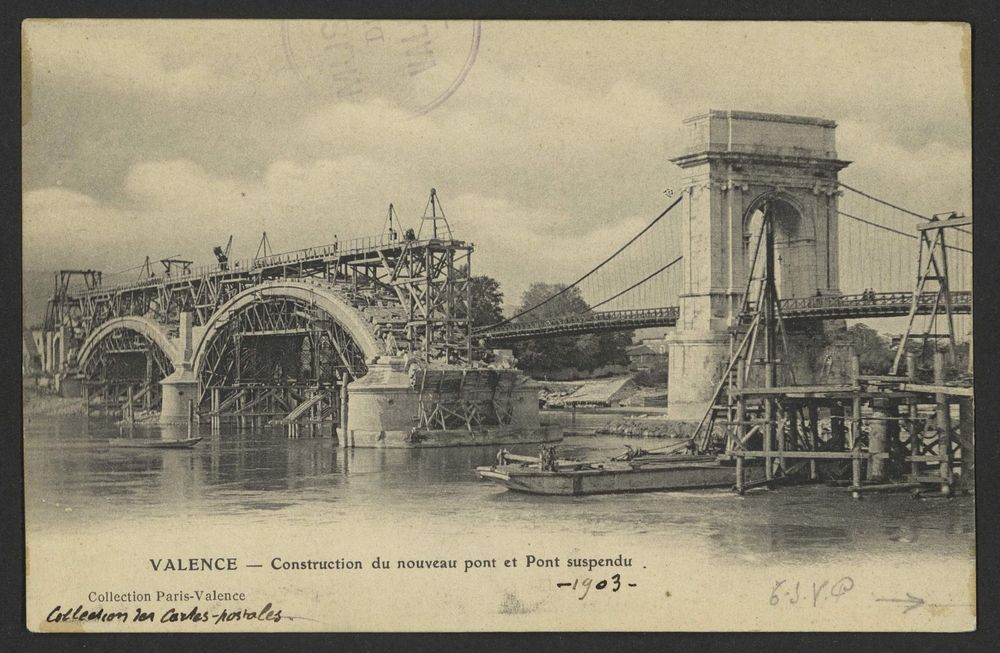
(31, 351)
(646, 355)
(604, 393)
(504, 358)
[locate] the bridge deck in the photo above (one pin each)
(373, 251)
(844, 307)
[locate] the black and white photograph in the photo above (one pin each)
(495, 325)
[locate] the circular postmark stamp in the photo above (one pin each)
(415, 65)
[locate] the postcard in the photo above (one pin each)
(386, 325)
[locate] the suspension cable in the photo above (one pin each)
(598, 267)
(637, 283)
(896, 231)
(890, 204)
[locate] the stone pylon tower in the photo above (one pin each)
(735, 162)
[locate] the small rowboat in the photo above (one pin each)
(151, 443)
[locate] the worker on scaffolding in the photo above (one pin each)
(547, 459)
(222, 256)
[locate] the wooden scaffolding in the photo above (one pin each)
(874, 433)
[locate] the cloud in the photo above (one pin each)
(521, 245)
(170, 135)
(546, 145)
(63, 228)
(112, 57)
(928, 177)
(179, 206)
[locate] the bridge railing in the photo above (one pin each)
(341, 248)
(861, 304)
(351, 246)
(590, 318)
(872, 300)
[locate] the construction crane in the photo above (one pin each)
(223, 254)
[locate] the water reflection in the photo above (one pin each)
(74, 477)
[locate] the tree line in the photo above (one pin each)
(591, 351)
(584, 352)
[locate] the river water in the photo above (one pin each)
(74, 480)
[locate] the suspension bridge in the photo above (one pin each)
(278, 339)
(841, 253)
(877, 246)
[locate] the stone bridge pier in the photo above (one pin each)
(734, 163)
(181, 389)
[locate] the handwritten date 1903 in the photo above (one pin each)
(815, 594)
(585, 584)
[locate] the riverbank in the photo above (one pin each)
(41, 402)
(623, 421)
(612, 392)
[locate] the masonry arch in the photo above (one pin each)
(128, 357)
(291, 334)
(148, 330)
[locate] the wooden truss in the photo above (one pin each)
(125, 371)
(881, 428)
(932, 285)
(463, 399)
(416, 293)
(314, 407)
(424, 293)
(280, 341)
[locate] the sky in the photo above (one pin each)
(549, 143)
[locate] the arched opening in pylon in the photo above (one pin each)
(794, 244)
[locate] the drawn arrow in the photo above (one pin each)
(914, 602)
